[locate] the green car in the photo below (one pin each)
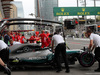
(34, 55)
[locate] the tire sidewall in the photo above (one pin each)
(82, 60)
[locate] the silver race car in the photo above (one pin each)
(32, 54)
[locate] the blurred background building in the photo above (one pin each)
(44, 10)
(20, 12)
(11, 9)
(1, 11)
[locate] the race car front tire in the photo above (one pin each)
(86, 59)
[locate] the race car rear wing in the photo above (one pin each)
(26, 21)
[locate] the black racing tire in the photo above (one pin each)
(86, 59)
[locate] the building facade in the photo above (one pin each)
(6, 11)
(1, 11)
(20, 12)
(44, 10)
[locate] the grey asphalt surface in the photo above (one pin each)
(76, 69)
(77, 43)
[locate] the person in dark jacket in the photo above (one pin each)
(7, 37)
(0, 36)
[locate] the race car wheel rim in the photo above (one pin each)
(86, 59)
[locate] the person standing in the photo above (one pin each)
(32, 38)
(47, 33)
(4, 55)
(7, 37)
(12, 36)
(4, 51)
(94, 44)
(0, 36)
(37, 38)
(2, 63)
(48, 39)
(7, 70)
(83, 33)
(77, 33)
(59, 42)
(22, 39)
(19, 36)
(16, 37)
(43, 39)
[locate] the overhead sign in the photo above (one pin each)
(76, 11)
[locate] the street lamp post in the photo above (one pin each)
(13, 17)
(85, 16)
(78, 16)
(95, 6)
(34, 15)
(95, 16)
(84, 5)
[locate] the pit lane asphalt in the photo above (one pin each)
(76, 69)
(77, 43)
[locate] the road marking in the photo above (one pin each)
(83, 39)
(93, 73)
(76, 43)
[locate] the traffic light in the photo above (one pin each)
(69, 24)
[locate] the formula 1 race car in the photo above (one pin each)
(33, 54)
